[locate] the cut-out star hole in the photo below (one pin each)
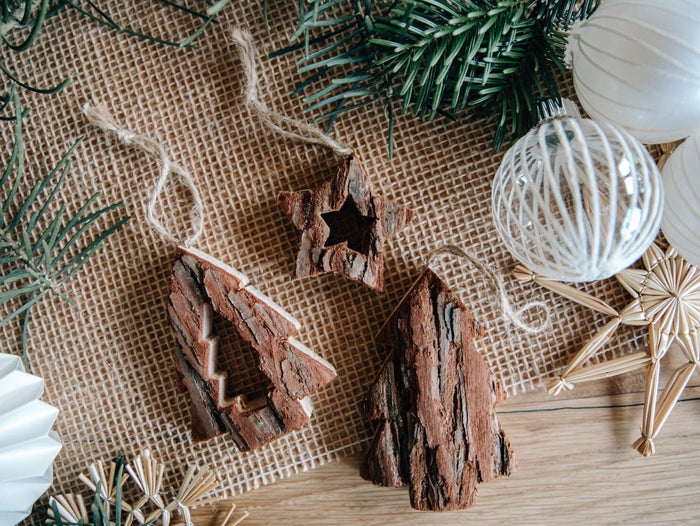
(347, 225)
(344, 226)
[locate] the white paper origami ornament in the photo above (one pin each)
(576, 200)
(27, 444)
(637, 64)
(681, 176)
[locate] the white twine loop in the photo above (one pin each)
(285, 126)
(495, 280)
(99, 116)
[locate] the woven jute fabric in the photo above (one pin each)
(108, 361)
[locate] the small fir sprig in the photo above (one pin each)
(436, 57)
(21, 23)
(109, 506)
(42, 243)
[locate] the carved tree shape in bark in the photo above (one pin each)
(434, 401)
(334, 216)
(201, 285)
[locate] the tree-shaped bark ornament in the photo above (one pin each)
(434, 403)
(201, 285)
(344, 226)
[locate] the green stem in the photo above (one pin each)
(25, 326)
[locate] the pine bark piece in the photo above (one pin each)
(201, 285)
(434, 402)
(344, 226)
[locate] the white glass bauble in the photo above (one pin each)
(681, 176)
(637, 64)
(27, 444)
(576, 200)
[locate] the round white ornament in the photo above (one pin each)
(27, 444)
(576, 200)
(681, 176)
(637, 64)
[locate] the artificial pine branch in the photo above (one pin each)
(42, 244)
(21, 22)
(435, 56)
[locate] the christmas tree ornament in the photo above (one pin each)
(200, 286)
(344, 226)
(28, 446)
(637, 65)
(434, 403)
(681, 176)
(576, 200)
(109, 505)
(666, 300)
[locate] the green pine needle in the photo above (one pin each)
(21, 22)
(436, 57)
(41, 249)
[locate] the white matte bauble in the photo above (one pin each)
(27, 444)
(576, 200)
(636, 64)
(681, 176)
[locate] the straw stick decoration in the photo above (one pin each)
(147, 475)
(230, 514)
(192, 492)
(107, 484)
(71, 508)
(666, 150)
(666, 299)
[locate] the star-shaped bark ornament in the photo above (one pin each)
(344, 226)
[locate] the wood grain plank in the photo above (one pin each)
(576, 467)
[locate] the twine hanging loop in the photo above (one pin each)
(98, 115)
(495, 281)
(284, 126)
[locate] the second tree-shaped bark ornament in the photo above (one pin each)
(201, 285)
(434, 401)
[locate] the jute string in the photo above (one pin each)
(495, 281)
(99, 116)
(285, 126)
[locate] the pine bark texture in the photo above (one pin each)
(199, 286)
(434, 402)
(306, 209)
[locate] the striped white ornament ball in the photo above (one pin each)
(681, 176)
(576, 200)
(636, 64)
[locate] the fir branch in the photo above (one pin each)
(435, 56)
(26, 17)
(41, 247)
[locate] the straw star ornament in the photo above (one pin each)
(666, 296)
(109, 507)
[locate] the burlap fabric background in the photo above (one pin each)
(108, 362)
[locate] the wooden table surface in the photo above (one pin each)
(576, 467)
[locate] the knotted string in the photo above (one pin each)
(285, 126)
(99, 116)
(495, 281)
